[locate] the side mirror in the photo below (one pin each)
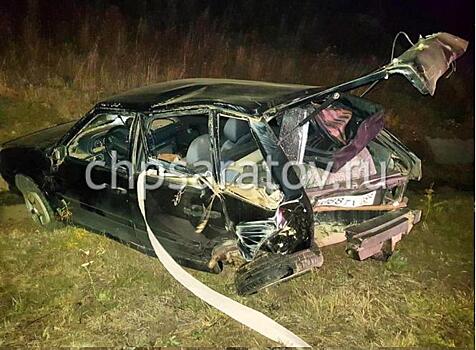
(57, 155)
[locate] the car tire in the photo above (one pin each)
(36, 203)
(269, 269)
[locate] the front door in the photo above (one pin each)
(95, 190)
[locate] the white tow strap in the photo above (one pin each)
(241, 313)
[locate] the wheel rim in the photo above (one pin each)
(37, 209)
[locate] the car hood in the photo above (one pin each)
(41, 139)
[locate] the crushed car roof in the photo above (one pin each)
(249, 97)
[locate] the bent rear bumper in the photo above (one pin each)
(378, 237)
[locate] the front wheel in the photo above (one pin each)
(36, 203)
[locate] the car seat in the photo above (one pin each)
(199, 150)
(238, 140)
(236, 132)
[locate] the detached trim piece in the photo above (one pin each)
(383, 207)
(241, 313)
(378, 237)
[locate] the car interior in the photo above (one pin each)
(186, 140)
(329, 131)
(104, 136)
(181, 139)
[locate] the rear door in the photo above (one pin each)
(181, 206)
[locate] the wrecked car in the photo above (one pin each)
(259, 175)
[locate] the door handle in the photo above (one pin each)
(117, 190)
(120, 190)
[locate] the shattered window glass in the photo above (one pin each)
(293, 140)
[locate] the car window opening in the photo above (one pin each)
(183, 141)
(104, 137)
(244, 170)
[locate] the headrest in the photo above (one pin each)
(235, 129)
(199, 149)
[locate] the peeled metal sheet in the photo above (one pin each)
(252, 234)
(426, 61)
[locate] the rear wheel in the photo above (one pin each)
(36, 203)
(269, 269)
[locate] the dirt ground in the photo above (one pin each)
(71, 287)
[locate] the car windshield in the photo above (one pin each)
(107, 134)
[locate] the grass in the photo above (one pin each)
(19, 117)
(74, 288)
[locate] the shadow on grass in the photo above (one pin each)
(9, 198)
